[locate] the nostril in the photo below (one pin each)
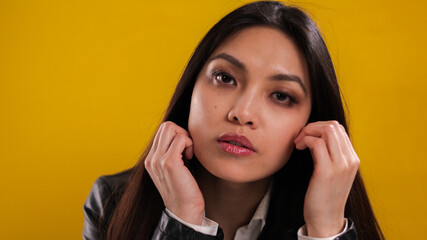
(236, 119)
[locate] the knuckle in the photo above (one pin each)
(165, 163)
(356, 162)
(342, 128)
(155, 161)
(167, 124)
(318, 142)
(335, 123)
(180, 137)
(150, 164)
(329, 128)
(177, 141)
(147, 164)
(352, 165)
(345, 167)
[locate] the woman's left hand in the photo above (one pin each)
(335, 167)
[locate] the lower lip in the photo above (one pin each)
(235, 150)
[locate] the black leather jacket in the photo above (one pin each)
(168, 228)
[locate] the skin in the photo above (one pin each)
(228, 99)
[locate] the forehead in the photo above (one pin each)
(265, 50)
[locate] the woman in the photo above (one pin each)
(253, 145)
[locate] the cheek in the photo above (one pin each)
(208, 106)
(281, 135)
(204, 113)
(201, 110)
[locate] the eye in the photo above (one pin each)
(223, 77)
(284, 98)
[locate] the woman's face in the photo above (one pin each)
(256, 85)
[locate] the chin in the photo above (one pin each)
(234, 172)
(234, 169)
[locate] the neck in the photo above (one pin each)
(230, 204)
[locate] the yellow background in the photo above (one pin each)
(83, 84)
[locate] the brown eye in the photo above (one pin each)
(284, 98)
(281, 96)
(223, 77)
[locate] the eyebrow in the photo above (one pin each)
(277, 77)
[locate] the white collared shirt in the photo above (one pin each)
(252, 230)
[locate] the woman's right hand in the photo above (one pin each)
(175, 183)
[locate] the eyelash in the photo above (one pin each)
(217, 73)
(292, 99)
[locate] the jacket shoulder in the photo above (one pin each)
(102, 191)
(114, 181)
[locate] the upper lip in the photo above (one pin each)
(237, 138)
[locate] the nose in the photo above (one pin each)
(244, 112)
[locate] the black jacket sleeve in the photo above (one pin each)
(93, 208)
(107, 189)
(350, 234)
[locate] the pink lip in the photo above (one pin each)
(244, 150)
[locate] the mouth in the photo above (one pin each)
(236, 144)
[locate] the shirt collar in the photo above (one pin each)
(262, 209)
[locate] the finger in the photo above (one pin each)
(329, 132)
(188, 151)
(156, 138)
(318, 150)
(300, 135)
(165, 138)
(349, 162)
(161, 143)
(170, 129)
(348, 149)
(348, 146)
(303, 131)
(180, 144)
(148, 161)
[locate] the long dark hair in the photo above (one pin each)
(139, 204)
